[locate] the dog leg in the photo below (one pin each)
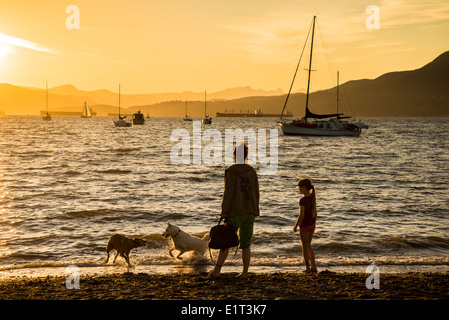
(107, 259)
(126, 256)
(179, 255)
(115, 258)
(170, 252)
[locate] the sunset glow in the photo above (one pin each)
(160, 46)
(197, 153)
(5, 50)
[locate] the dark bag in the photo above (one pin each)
(223, 236)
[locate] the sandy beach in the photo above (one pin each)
(260, 286)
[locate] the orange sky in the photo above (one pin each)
(154, 46)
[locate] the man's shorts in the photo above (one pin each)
(244, 226)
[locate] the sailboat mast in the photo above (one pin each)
(205, 108)
(338, 76)
(310, 63)
(46, 95)
(119, 100)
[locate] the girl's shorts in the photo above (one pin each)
(310, 228)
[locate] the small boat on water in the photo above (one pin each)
(86, 111)
(206, 119)
(333, 126)
(187, 118)
(47, 117)
(121, 122)
(138, 118)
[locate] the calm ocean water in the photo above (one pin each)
(68, 184)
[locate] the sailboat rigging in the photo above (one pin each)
(206, 119)
(187, 118)
(47, 117)
(331, 127)
(86, 111)
(121, 120)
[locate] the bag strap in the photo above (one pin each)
(210, 252)
(212, 259)
(224, 219)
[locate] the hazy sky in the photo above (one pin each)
(154, 46)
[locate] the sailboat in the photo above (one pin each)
(121, 120)
(47, 117)
(187, 118)
(86, 111)
(206, 119)
(333, 126)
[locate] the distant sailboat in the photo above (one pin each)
(86, 111)
(121, 120)
(206, 119)
(187, 118)
(332, 127)
(47, 117)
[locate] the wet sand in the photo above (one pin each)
(260, 286)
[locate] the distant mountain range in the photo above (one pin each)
(28, 100)
(420, 92)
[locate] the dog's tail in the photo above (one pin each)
(206, 237)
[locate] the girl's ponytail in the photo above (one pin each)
(314, 212)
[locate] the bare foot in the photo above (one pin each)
(213, 275)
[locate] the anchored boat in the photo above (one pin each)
(121, 122)
(206, 119)
(333, 126)
(138, 119)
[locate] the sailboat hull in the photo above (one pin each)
(294, 130)
(122, 123)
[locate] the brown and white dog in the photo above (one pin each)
(123, 245)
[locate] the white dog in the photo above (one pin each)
(185, 242)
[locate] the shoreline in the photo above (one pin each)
(326, 285)
(91, 269)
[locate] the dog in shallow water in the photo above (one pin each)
(123, 245)
(184, 242)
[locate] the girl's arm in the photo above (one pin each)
(300, 217)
